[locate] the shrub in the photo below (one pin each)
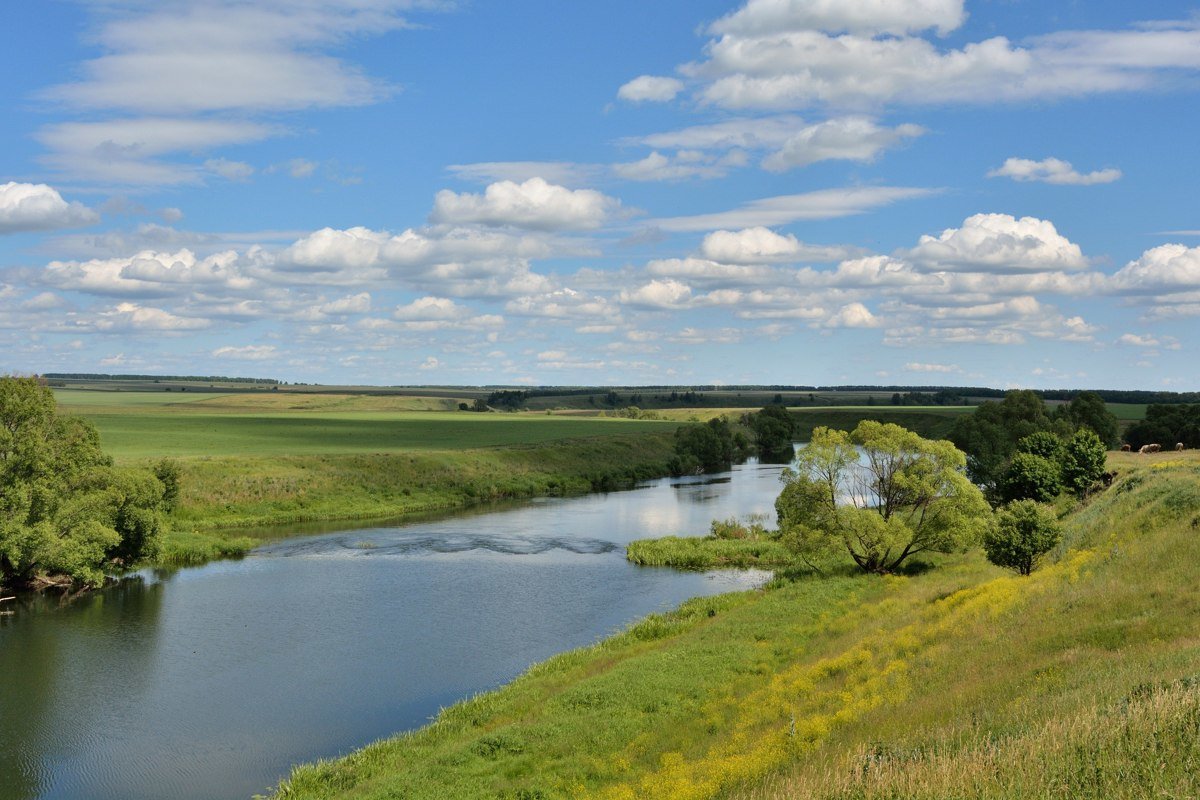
(1031, 477)
(1024, 532)
(1083, 461)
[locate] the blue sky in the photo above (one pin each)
(962, 192)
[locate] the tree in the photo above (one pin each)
(1088, 410)
(990, 435)
(1024, 532)
(1167, 424)
(774, 430)
(64, 508)
(906, 495)
(1031, 477)
(1083, 460)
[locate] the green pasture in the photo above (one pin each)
(1127, 412)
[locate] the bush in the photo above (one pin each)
(1031, 477)
(1024, 532)
(1083, 461)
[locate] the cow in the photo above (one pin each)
(1126, 448)
(1179, 448)
(1150, 448)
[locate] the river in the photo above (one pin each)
(212, 682)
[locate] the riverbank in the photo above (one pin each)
(960, 681)
(219, 495)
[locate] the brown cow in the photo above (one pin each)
(1179, 448)
(1125, 448)
(1150, 448)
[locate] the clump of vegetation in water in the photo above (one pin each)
(712, 446)
(774, 431)
(730, 543)
(68, 514)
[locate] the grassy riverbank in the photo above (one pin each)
(962, 681)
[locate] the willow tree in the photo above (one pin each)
(65, 510)
(881, 493)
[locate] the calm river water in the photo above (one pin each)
(211, 682)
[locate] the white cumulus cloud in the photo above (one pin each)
(761, 245)
(853, 315)
(38, 207)
(999, 243)
(534, 204)
(1167, 269)
(668, 293)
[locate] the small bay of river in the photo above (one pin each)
(212, 682)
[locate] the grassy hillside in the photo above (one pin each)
(1082, 680)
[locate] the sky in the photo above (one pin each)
(538, 192)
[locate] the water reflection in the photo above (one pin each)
(211, 682)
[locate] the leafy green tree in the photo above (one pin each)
(1088, 410)
(1042, 443)
(167, 472)
(64, 509)
(1083, 460)
(1024, 532)
(774, 431)
(1031, 477)
(990, 435)
(906, 495)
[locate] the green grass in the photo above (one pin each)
(962, 681)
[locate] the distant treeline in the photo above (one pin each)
(95, 376)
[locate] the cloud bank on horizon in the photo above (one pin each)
(766, 191)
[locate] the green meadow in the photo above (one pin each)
(958, 681)
(141, 425)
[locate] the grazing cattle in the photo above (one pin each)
(1108, 478)
(1150, 448)
(1126, 448)
(1179, 448)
